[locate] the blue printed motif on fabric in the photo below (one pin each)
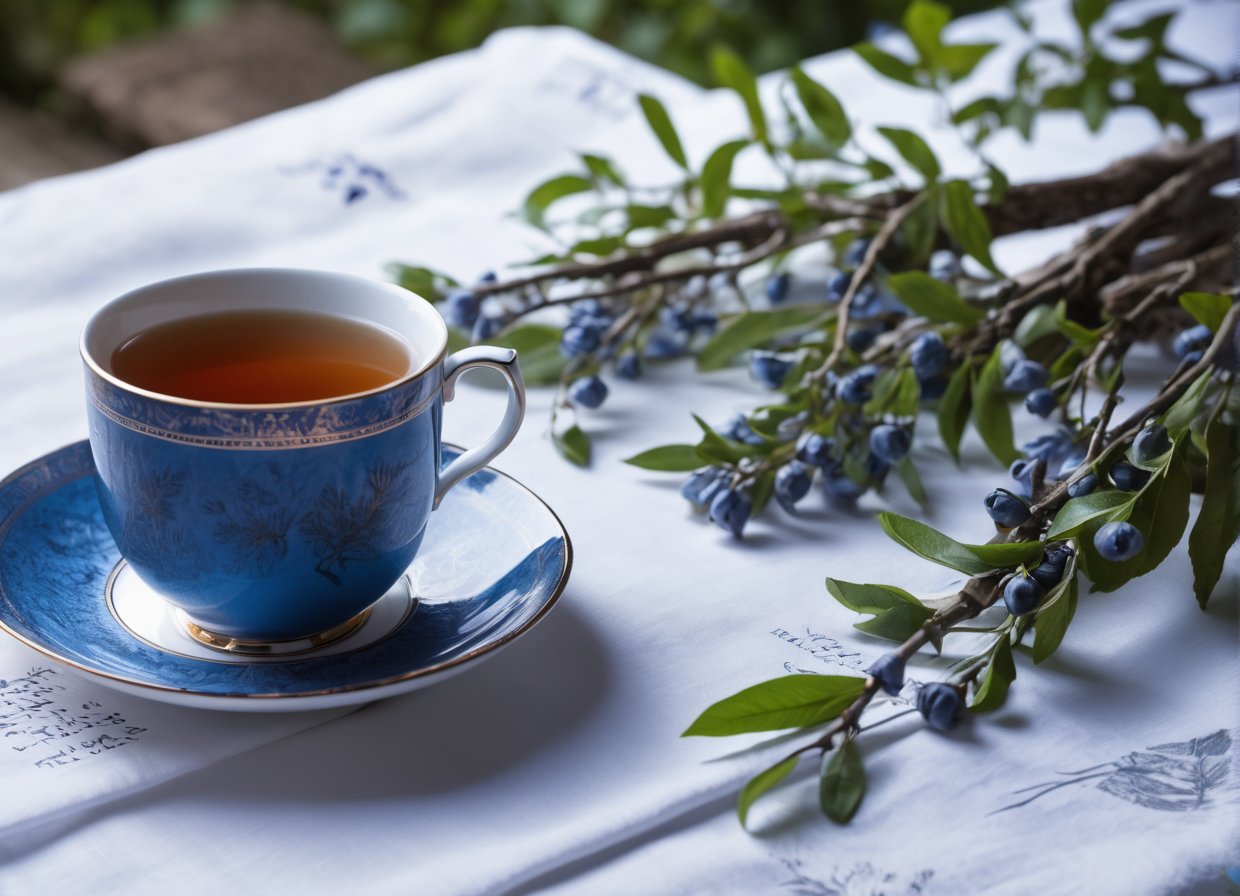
(351, 177)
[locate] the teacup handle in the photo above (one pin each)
(505, 361)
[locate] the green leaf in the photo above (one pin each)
(897, 624)
(924, 22)
(761, 783)
(1054, 616)
(886, 65)
(543, 195)
(914, 150)
(959, 60)
(896, 392)
(841, 785)
(1087, 13)
(1154, 29)
(649, 215)
(598, 245)
(1186, 408)
(991, 414)
(430, 285)
(573, 445)
(1038, 323)
(538, 347)
(871, 598)
(1074, 331)
(974, 559)
(732, 72)
(1207, 307)
(661, 123)
(753, 328)
(761, 491)
(999, 675)
(1218, 523)
(932, 299)
(953, 410)
(823, 108)
(965, 222)
(1077, 512)
(668, 459)
(912, 481)
(921, 227)
(717, 177)
(602, 168)
(792, 701)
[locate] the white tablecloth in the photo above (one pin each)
(557, 766)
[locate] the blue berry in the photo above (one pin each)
(1025, 376)
(837, 285)
(945, 265)
(840, 488)
(792, 483)
(1118, 541)
(1129, 478)
(1022, 472)
(588, 392)
(485, 327)
(875, 467)
(1069, 465)
(587, 311)
(888, 671)
(489, 277)
(460, 309)
(701, 488)
(730, 510)
(579, 340)
(1010, 354)
(1041, 402)
(1083, 486)
(777, 288)
(939, 704)
(890, 443)
(855, 253)
(1194, 339)
(1194, 356)
(665, 343)
(769, 369)
(867, 303)
(928, 355)
(815, 450)
(1054, 562)
(1006, 509)
(860, 340)
(678, 320)
(739, 430)
(855, 387)
(1150, 443)
(629, 366)
(704, 322)
(932, 389)
(1051, 447)
(1021, 595)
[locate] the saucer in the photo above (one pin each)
(494, 562)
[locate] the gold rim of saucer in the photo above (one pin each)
(248, 647)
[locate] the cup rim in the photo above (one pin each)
(394, 288)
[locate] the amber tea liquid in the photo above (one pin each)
(262, 357)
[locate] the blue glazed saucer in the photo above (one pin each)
(494, 562)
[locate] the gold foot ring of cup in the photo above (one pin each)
(244, 647)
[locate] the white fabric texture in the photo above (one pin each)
(557, 766)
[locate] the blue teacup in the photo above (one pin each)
(272, 523)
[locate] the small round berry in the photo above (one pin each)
(578, 339)
(945, 265)
(890, 443)
(939, 704)
(769, 369)
(867, 303)
(888, 671)
(1021, 595)
(460, 309)
(1194, 356)
(485, 327)
(932, 389)
(928, 355)
(815, 450)
(665, 343)
(1022, 472)
(1006, 509)
(855, 253)
(1150, 443)
(876, 468)
(1041, 402)
(855, 387)
(629, 366)
(1118, 541)
(837, 285)
(1070, 464)
(777, 288)
(704, 322)
(860, 340)
(1010, 354)
(729, 510)
(701, 488)
(739, 430)
(1083, 486)
(588, 392)
(1025, 376)
(841, 489)
(1191, 340)
(1050, 447)
(792, 483)
(1129, 478)
(1054, 562)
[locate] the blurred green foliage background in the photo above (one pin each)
(38, 36)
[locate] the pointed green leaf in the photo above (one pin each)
(761, 783)
(914, 150)
(543, 195)
(885, 64)
(959, 60)
(974, 559)
(991, 414)
(897, 624)
(668, 459)
(1218, 523)
(538, 346)
(999, 675)
(841, 785)
(871, 598)
(602, 168)
(823, 108)
(932, 299)
(753, 328)
(921, 227)
(1207, 307)
(953, 410)
(1072, 517)
(574, 445)
(792, 701)
(924, 22)
(966, 223)
(1054, 616)
(732, 72)
(430, 285)
(661, 123)
(717, 177)
(912, 481)
(649, 215)
(1188, 406)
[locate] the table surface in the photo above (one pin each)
(557, 766)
